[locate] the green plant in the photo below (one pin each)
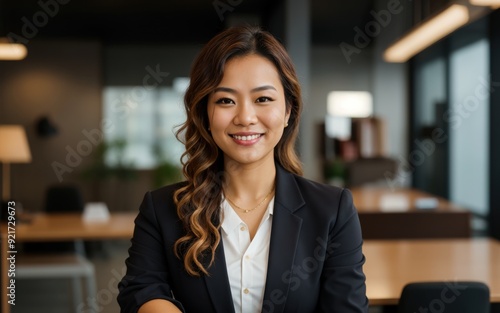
(166, 172)
(100, 170)
(334, 169)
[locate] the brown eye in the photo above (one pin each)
(224, 101)
(264, 99)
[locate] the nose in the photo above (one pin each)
(246, 114)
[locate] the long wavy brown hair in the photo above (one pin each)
(198, 202)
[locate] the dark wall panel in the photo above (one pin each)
(494, 218)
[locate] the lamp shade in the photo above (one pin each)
(12, 51)
(350, 103)
(14, 145)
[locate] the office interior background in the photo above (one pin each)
(100, 92)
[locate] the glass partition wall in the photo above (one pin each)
(450, 128)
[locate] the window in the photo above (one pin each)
(144, 120)
(469, 125)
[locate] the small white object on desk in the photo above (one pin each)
(95, 212)
(394, 203)
(427, 203)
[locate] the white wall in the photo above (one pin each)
(363, 70)
(329, 71)
(390, 84)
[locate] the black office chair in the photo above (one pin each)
(41, 260)
(65, 199)
(60, 199)
(446, 297)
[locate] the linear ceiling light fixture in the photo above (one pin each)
(427, 33)
(485, 3)
(12, 51)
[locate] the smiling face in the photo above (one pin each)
(247, 110)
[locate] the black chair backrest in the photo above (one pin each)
(59, 199)
(63, 198)
(446, 297)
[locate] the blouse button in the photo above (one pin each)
(246, 291)
(243, 228)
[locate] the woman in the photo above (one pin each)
(245, 232)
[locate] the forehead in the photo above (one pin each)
(251, 67)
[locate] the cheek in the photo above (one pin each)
(276, 118)
(219, 119)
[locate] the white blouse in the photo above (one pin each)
(246, 260)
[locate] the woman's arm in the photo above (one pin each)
(343, 281)
(158, 306)
(147, 277)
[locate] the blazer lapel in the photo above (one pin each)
(218, 283)
(285, 235)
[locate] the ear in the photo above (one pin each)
(287, 114)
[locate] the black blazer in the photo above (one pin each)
(315, 258)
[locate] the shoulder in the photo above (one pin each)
(159, 203)
(317, 187)
(324, 202)
(295, 192)
(165, 194)
(158, 210)
(312, 190)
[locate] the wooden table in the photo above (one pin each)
(395, 214)
(391, 264)
(71, 226)
(61, 227)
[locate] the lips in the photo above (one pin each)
(246, 137)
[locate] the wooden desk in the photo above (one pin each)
(391, 264)
(71, 226)
(61, 227)
(393, 214)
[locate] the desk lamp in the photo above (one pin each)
(14, 148)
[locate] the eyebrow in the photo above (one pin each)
(230, 90)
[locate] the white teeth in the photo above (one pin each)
(245, 138)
